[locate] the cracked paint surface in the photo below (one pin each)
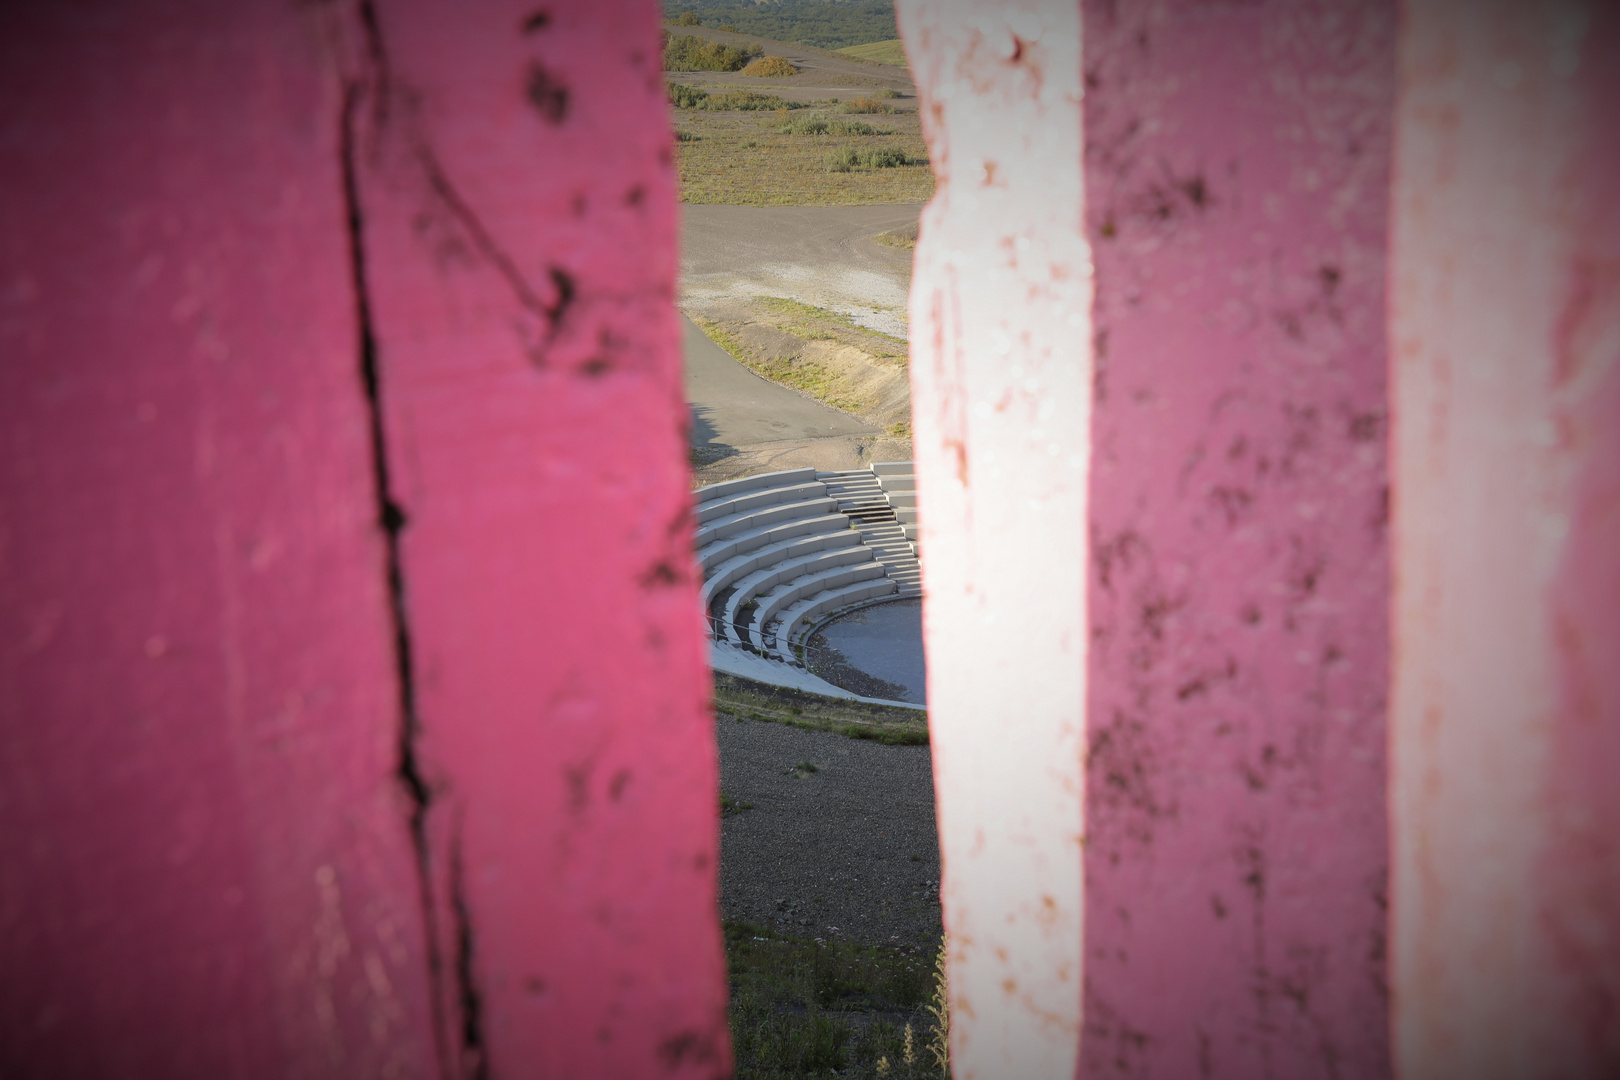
(352, 674)
(205, 869)
(522, 268)
(1236, 176)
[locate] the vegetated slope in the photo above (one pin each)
(826, 24)
(739, 144)
(884, 52)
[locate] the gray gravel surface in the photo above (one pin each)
(848, 851)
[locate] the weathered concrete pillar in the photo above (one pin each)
(1505, 329)
(352, 693)
(1001, 389)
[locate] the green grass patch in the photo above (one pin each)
(809, 321)
(815, 379)
(802, 1008)
(884, 52)
(818, 124)
(743, 160)
(890, 725)
(690, 97)
(823, 25)
(847, 158)
(905, 239)
(730, 805)
(865, 104)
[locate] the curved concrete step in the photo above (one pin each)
(727, 488)
(711, 510)
(712, 555)
(740, 566)
(733, 524)
(768, 579)
(781, 597)
(810, 609)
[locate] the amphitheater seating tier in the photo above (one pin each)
(789, 572)
(733, 524)
(783, 596)
(810, 609)
(711, 556)
(773, 555)
(782, 552)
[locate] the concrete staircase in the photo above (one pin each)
(862, 496)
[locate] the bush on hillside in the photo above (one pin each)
(686, 97)
(865, 104)
(688, 18)
(748, 101)
(848, 158)
(685, 52)
(767, 67)
(822, 125)
(690, 97)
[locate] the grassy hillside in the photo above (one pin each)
(884, 52)
(826, 24)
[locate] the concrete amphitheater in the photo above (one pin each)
(784, 553)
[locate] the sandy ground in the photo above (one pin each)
(824, 256)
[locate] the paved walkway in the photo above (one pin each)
(731, 406)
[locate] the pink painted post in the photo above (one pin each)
(518, 228)
(1505, 741)
(1236, 171)
(205, 865)
(352, 694)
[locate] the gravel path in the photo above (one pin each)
(847, 851)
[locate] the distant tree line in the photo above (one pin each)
(825, 24)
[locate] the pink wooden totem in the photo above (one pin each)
(352, 698)
(1236, 179)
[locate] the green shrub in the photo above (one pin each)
(690, 97)
(688, 18)
(769, 67)
(685, 52)
(728, 28)
(747, 101)
(686, 97)
(818, 124)
(685, 136)
(887, 92)
(846, 158)
(865, 104)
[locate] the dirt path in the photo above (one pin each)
(823, 256)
